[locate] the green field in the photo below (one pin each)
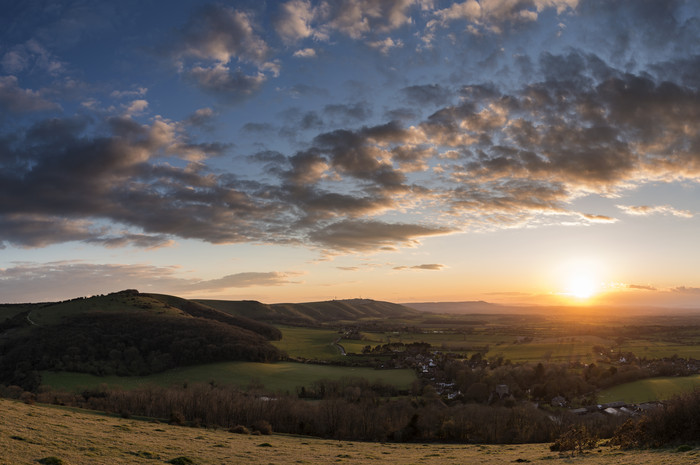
(660, 349)
(282, 376)
(309, 343)
(651, 389)
(562, 349)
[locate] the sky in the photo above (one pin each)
(512, 151)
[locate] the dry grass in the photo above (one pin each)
(30, 433)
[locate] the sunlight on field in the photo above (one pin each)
(282, 376)
(309, 343)
(650, 389)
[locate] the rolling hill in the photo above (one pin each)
(125, 333)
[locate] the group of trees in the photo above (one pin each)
(355, 412)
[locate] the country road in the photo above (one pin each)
(341, 348)
(30, 321)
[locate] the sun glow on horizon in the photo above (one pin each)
(580, 281)
(582, 287)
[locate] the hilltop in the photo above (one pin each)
(312, 313)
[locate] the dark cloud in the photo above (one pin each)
(64, 280)
(371, 235)
(351, 153)
(643, 287)
(348, 113)
(427, 266)
(249, 279)
(304, 90)
(61, 179)
(427, 94)
(212, 48)
(402, 114)
(232, 86)
(687, 290)
(14, 99)
(202, 118)
(258, 128)
(220, 33)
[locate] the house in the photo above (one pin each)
(502, 391)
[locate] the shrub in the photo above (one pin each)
(239, 429)
(263, 427)
(51, 461)
(177, 418)
(181, 461)
(575, 439)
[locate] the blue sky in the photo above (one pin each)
(517, 151)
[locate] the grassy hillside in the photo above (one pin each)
(350, 310)
(30, 433)
(125, 333)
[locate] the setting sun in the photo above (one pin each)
(582, 287)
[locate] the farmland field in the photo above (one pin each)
(309, 343)
(30, 433)
(282, 376)
(650, 389)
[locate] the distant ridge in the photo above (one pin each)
(313, 312)
(470, 306)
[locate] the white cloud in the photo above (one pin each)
(644, 210)
(305, 53)
(294, 21)
(385, 45)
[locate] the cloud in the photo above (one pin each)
(68, 279)
(201, 118)
(249, 279)
(305, 53)
(427, 94)
(31, 55)
(231, 85)
(645, 210)
(686, 290)
(220, 36)
(372, 235)
(356, 112)
(139, 92)
(15, 99)
(599, 218)
(643, 287)
(294, 20)
(428, 266)
(64, 181)
(135, 107)
(299, 19)
(384, 46)
(495, 15)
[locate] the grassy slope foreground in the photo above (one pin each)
(29, 433)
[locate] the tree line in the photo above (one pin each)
(126, 345)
